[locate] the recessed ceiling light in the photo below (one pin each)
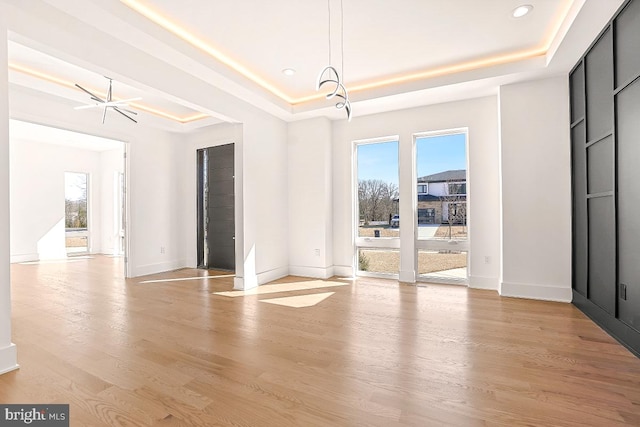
(288, 71)
(520, 11)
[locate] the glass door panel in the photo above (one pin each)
(441, 207)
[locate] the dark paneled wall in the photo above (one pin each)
(605, 146)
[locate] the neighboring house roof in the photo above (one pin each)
(451, 175)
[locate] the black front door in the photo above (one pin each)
(216, 214)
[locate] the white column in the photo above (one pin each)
(408, 217)
(8, 360)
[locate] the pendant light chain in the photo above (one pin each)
(329, 11)
(341, 40)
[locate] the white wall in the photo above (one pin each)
(154, 198)
(8, 360)
(441, 188)
(536, 189)
(265, 196)
(37, 198)
(310, 198)
(480, 117)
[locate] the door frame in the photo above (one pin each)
(127, 212)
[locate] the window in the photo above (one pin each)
(378, 222)
(426, 216)
(423, 188)
(76, 218)
(458, 188)
(378, 195)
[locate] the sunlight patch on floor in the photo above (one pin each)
(299, 301)
(282, 287)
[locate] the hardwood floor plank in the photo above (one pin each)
(167, 350)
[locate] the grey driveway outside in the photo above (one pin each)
(427, 231)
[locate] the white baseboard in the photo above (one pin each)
(8, 359)
(343, 270)
(271, 275)
(539, 292)
(315, 272)
(161, 267)
(249, 282)
(479, 282)
(24, 258)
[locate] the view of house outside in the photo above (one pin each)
(441, 203)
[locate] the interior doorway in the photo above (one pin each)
(216, 208)
(76, 203)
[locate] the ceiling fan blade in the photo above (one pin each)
(135, 113)
(120, 102)
(93, 96)
(114, 104)
(109, 93)
(82, 107)
(127, 116)
(109, 102)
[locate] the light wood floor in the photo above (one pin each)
(125, 353)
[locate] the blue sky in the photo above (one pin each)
(75, 185)
(434, 154)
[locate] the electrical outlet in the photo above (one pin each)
(316, 252)
(161, 249)
(487, 259)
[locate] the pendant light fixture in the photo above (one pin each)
(329, 74)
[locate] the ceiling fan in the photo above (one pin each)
(117, 106)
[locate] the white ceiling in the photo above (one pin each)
(396, 54)
(382, 38)
(24, 131)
